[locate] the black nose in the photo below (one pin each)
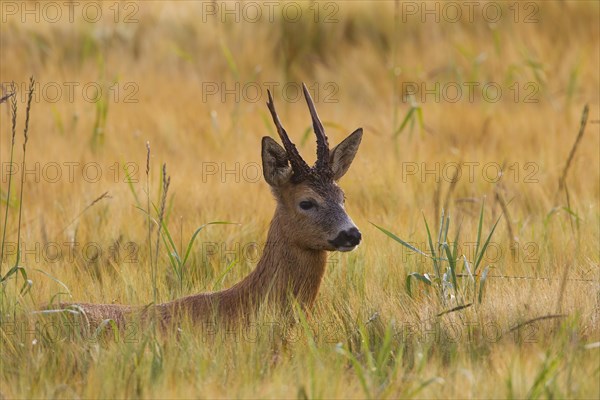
(349, 238)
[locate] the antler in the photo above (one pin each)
(299, 166)
(322, 163)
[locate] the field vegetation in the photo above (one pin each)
(473, 282)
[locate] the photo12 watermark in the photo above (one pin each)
(517, 252)
(74, 327)
(256, 92)
(55, 12)
(74, 91)
(318, 12)
(470, 92)
(466, 332)
(469, 11)
(222, 254)
(469, 172)
(70, 172)
(70, 252)
(233, 172)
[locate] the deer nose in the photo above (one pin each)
(348, 238)
(353, 235)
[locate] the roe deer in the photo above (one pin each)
(309, 220)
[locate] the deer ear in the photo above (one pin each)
(342, 155)
(276, 168)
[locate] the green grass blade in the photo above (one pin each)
(14, 270)
(441, 239)
(436, 266)
(572, 213)
(402, 242)
(171, 243)
(446, 228)
(417, 276)
(358, 370)
(482, 281)
(195, 234)
(423, 385)
(27, 285)
(545, 375)
(408, 117)
(222, 276)
(55, 280)
(466, 266)
(485, 245)
(172, 259)
(420, 118)
(58, 294)
(452, 266)
(383, 354)
(455, 244)
(230, 61)
(479, 229)
(130, 185)
(104, 325)
(367, 354)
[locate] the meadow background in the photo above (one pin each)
(191, 78)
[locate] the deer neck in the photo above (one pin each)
(284, 270)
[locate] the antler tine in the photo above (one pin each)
(322, 163)
(298, 164)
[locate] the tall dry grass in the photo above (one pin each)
(366, 336)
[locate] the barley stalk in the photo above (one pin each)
(13, 110)
(149, 219)
(26, 138)
(563, 177)
(104, 195)
(504, 207)
(451, 188)
(161, 213)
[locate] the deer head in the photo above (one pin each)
(310, 204)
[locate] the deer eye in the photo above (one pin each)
(307, 205)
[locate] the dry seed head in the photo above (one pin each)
(163, 200)
(13, 109)
(6, 97)
(147, 157)
(27, 110)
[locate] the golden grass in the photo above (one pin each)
(168, 55)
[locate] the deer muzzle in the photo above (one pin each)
(347, 240)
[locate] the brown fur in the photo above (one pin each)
(294, 257)
(282, 271)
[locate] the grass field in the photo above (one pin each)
(498, 90)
